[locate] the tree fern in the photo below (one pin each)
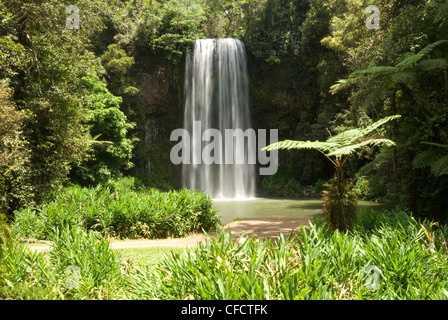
(441, 13)
(435, 159)
(433, 64)
(403, 73)
(337, 149)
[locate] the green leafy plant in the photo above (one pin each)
(98, 265)
(340, 200)
(434, 158)
(315, 265)
(121, 212)
(5, 235)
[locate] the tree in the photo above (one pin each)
(340, 202)
(112, 152)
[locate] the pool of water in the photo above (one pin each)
(274, 208)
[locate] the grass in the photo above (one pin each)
(147, 257)
(411, 257)
(318, 265)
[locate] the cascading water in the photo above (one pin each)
(217, 95)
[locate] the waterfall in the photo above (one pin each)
(217, 95)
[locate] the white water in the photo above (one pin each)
(217, 94)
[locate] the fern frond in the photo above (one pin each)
(426, 158)
(410, 60)
(403, 77)
(347, 150)
(437, 159)
(440, 165)
(292, 144)
(433, 64)
(350, 136)
(374, 70)
(339, 85)
(441, 12)
(426, 50)
(445, 146)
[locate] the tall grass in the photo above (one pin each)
(97, 269)
(121, 213)
(407, 258)
(316, 265)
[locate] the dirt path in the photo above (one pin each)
(261, 228)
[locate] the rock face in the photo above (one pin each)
(160, 112)
(154, 86)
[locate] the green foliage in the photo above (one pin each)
(44, 62)
(340, 200)
(5, 235)
(98, 265)
(109, 124)
(362, 189)
(31, 275)
(437, 159)
(370, 220)
(244, 270)
(282, 184)
(169, 27)
(342, 144)
(317, 265)
(15, 189)
(400, 69)
(121, 213)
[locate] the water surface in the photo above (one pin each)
(274, 208)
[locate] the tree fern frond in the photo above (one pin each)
(347, 150)
(418, 56)
(383, 155)
(433, 64)
(445, 146)
(426, 158)
(350, 136)
(292, 144)
(374, 70)
(403, 77)
(339, 85)
(410, 60)
(431, 47)
(377, 124)
(441, 12)
(440, 165)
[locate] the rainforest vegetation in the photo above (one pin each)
(86, 113)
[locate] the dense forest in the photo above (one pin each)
(91, 102)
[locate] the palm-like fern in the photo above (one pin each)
(402, 74)
(338, 149)
(436, 159)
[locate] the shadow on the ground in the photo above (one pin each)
(266, 228)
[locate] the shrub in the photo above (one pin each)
(362, 189)
(5, 235)
(282, 184)
(121, 212)
(318, 187)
